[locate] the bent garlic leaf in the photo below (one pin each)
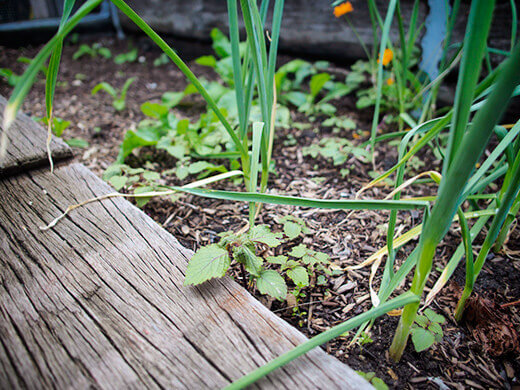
(271, 283)
(208, 262)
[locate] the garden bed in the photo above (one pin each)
(480, 353)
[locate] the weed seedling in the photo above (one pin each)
(118, 97)
(122, 58)
(427, 330)
(93, 51)
(58, 125)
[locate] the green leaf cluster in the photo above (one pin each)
(298, 265)
(427, 330)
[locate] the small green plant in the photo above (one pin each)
(10, 77)
(163, 59)
(292, 89)
(371, 378)
(58, 125)
(118, 97)
(364, 339)
(298, 265)
(135, 181)
(427, 330)
(337, 149)
(93, 51)
(122, 58)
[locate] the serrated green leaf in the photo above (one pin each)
(252, 263)
(299, 276)
(312, 257)
(277, 259)
(422, 339)
(298, 251)
(271, 283)
(199, 166)
(182, 172)
(292, 229)
(436, 328)
(208, 262)
(262, 234)
(422, 321)
(151, 175)
(434, 317)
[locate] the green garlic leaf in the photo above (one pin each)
(277, 259)
(208, 262)
(271, 283)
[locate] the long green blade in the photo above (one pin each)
(355, 204)
(474, 49)
(322, 338)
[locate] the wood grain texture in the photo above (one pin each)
(26, 145)
(98, 302)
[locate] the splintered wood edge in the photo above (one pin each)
(26, 145)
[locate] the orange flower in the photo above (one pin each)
(390, 80)
(343, 9)
(388, 55)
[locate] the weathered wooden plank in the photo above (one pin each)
(98, 301)
(26, 147)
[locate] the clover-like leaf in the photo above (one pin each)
(422, 339)
(208, 262)
(435, 328)
(271, 283)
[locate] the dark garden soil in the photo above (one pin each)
(481, 353)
